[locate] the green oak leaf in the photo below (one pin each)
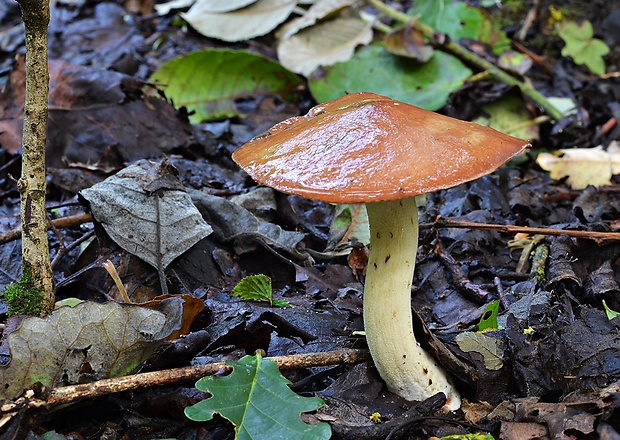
(256, 399)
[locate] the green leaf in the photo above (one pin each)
(488, 321)
(509, 115)
(372, 69)
(611, 314)
(581, 45)
(208, 82)
(257, 288)
(255, 398)
(459, 20)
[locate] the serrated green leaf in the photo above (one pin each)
(255, 398)
(208, 82)
(254, 287)
(372, 69)
(581, 45)
(257, 288)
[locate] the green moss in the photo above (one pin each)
(23, 296)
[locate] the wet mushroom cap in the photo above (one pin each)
(365, 147)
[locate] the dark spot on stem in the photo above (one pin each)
(388, 258)
(375, 264)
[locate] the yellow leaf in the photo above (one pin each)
(583, 166)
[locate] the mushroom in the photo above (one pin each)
(367, 148)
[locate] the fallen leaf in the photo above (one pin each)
(489, 347)
(87, 342)
(255, 398)
(252, 21)
(219, 6)
(155, 227)
(373, 69)
(95, 116)
(208, 82)
(408, 42)
(583, 166)
(318, 11)
(323, 44)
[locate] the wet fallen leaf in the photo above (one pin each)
(257, 19)
(373, 69)
(256, 399)
(489, 347)
(95, 116)
(410, 43)
(233, 223)
(318, 11)
(208, 82)
(87, 342)
(583, 166)
(323, 44)
(155, 227)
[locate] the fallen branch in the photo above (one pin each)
(65, 222)
(74, 393)
(443, 222)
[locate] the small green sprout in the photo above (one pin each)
(611, 314)
(258, 288)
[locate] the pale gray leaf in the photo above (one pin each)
(129, 215)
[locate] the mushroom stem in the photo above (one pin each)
(408, 370)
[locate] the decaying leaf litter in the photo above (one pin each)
(550, 369)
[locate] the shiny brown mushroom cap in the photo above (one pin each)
(365, 147)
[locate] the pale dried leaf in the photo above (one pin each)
(220, 6)
(165, 8)
(84, 343)
(490, 348)
(242, 24)
(317, 11)
(583, 166)
(129, 214)
(324, 44)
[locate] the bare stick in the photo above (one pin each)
(106, 387)
(65, 222)
(443, 222)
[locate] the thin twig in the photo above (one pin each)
(444, 222)
(65, 222)
(74, 393)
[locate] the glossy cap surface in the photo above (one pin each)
(365, 147)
